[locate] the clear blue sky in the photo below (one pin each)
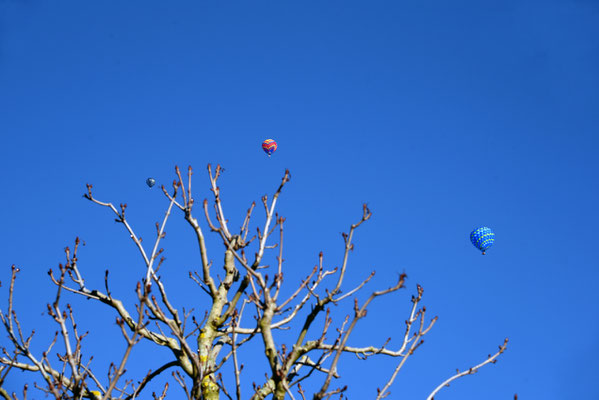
(443, 116)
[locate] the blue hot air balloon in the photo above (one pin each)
(150, 182)
(482, 238)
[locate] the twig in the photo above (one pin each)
(150, 375)
(490, 359)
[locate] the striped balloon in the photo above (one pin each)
(482, 238)
(269, 146)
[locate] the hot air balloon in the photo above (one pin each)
(269, 146)
(150, 182)
(482, 238)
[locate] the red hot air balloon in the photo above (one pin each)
(269, 146)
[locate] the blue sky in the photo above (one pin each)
(442, 116)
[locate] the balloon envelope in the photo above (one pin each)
(150, 182)
(269, 146)
(482, 238)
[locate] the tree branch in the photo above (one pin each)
(491, 359)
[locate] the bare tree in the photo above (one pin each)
(201, 349)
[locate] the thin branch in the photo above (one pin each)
(121, 219)
(160, 235)
(236, 368)
(151, 375)
(491, 359)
